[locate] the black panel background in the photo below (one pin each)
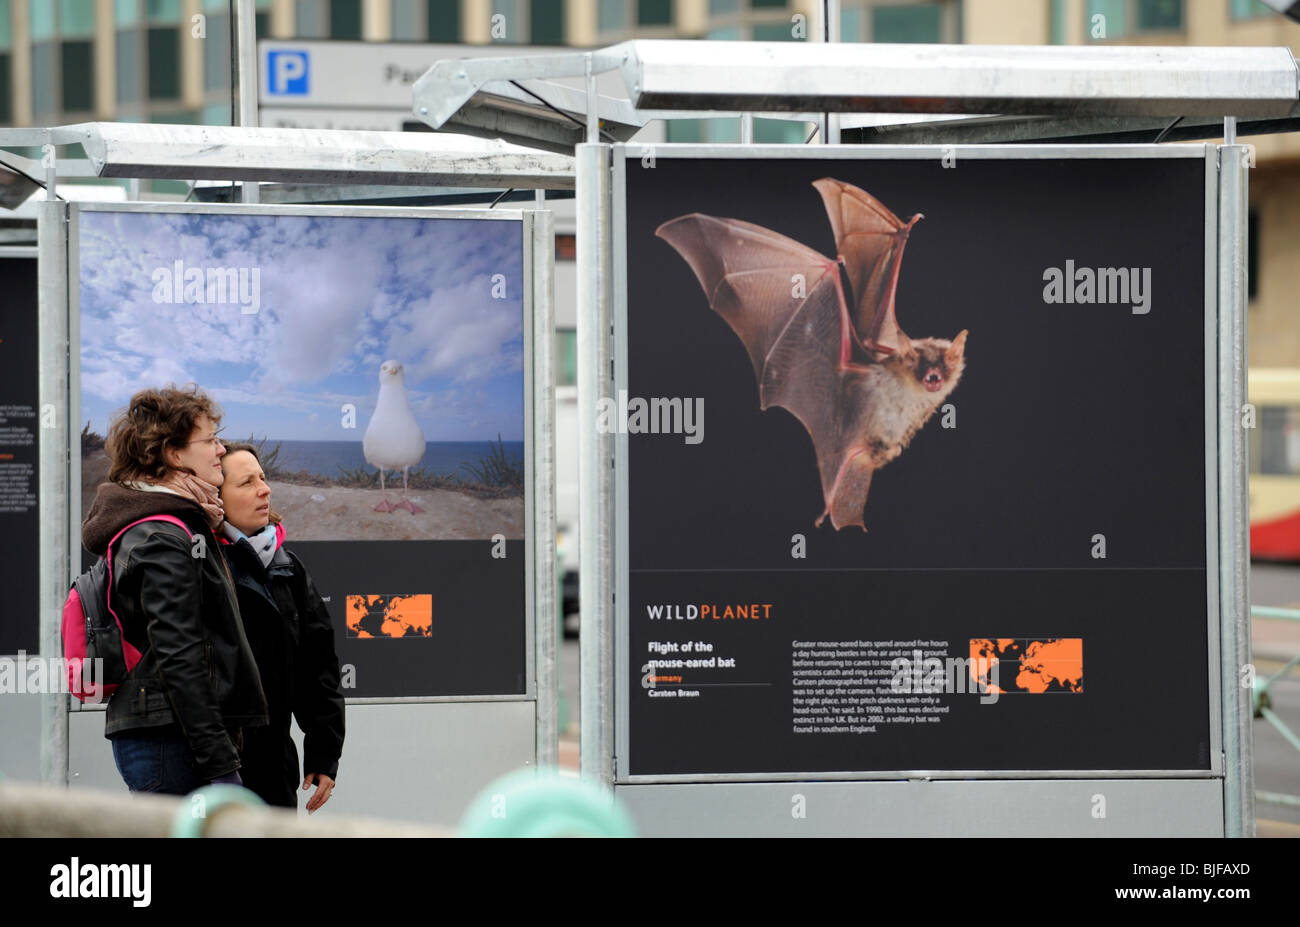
(477, 645)
(1072, 420)
(20, 562)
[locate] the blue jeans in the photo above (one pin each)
(156, 760)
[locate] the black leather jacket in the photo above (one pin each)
(292, 637)
(176, 601)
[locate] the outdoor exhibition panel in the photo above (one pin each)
(346, 343)
(968, 551)
(19, 508)
(19, 415)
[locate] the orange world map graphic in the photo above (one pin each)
(390, 615)
(1041, 665)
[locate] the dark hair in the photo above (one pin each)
(235, 446)
(155, 420)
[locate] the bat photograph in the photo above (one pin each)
(823, 335)
(864, 488)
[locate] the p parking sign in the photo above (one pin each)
(288, 73)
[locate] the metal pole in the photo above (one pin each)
(53, 443)
(831, 33)
(245, 58)
(544, 580)
(1234, 567)
(595, 476)
(593, 118)
(746, 128)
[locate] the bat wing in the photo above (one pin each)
(870, 239)
(797, 332)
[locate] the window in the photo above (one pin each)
(1278, 451)
(42, 21)
(507, 20)
(6, 89)
(782, 32)
(727, 131)
(1159, 14)
(164, 11)
(164, 63)
(76, 19)
(345, 19)
(126, 13)
(918, 22)
(1252, 254)
(130, 55)
(654, 12)
(928, 21)
(1058, 21)
(216, 55)
(1247, 9)
(611, 16)
(406, 20)
(546, 18)
(1116, 19)
(77, 72)
(780, 131)
(310, 19)
(566, 357)
(443, 19)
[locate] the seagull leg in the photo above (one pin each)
(407, 503)
(385, 505)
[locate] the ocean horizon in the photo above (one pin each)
(324, 458)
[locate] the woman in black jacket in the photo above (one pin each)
(292, 637)
(176, 720)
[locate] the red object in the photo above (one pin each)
(1277, 538)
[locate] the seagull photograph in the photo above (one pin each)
(372, 346)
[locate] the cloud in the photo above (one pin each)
(339, 295)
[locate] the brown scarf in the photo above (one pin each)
(207, 495)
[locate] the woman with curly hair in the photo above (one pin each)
(176, 721)
(293, 641)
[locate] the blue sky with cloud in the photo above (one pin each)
(339, 296)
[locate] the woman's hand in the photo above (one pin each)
(324, 787)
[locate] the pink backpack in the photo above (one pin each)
(97, 653)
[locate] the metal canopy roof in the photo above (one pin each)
(317, 156)
(666, 78)
(1004, 79)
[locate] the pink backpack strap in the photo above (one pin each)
(108, 552)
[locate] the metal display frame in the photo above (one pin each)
(60, 468)
(621, 154)
(526, 219)
(601, 168)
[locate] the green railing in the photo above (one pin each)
(1263, 701)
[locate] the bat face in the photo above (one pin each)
(936, 364)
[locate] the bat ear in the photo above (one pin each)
(954, 353)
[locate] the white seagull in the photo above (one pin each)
(393, 438)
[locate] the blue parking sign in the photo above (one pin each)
(287, 73)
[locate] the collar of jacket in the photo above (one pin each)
(247, 566)
(116, 506)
